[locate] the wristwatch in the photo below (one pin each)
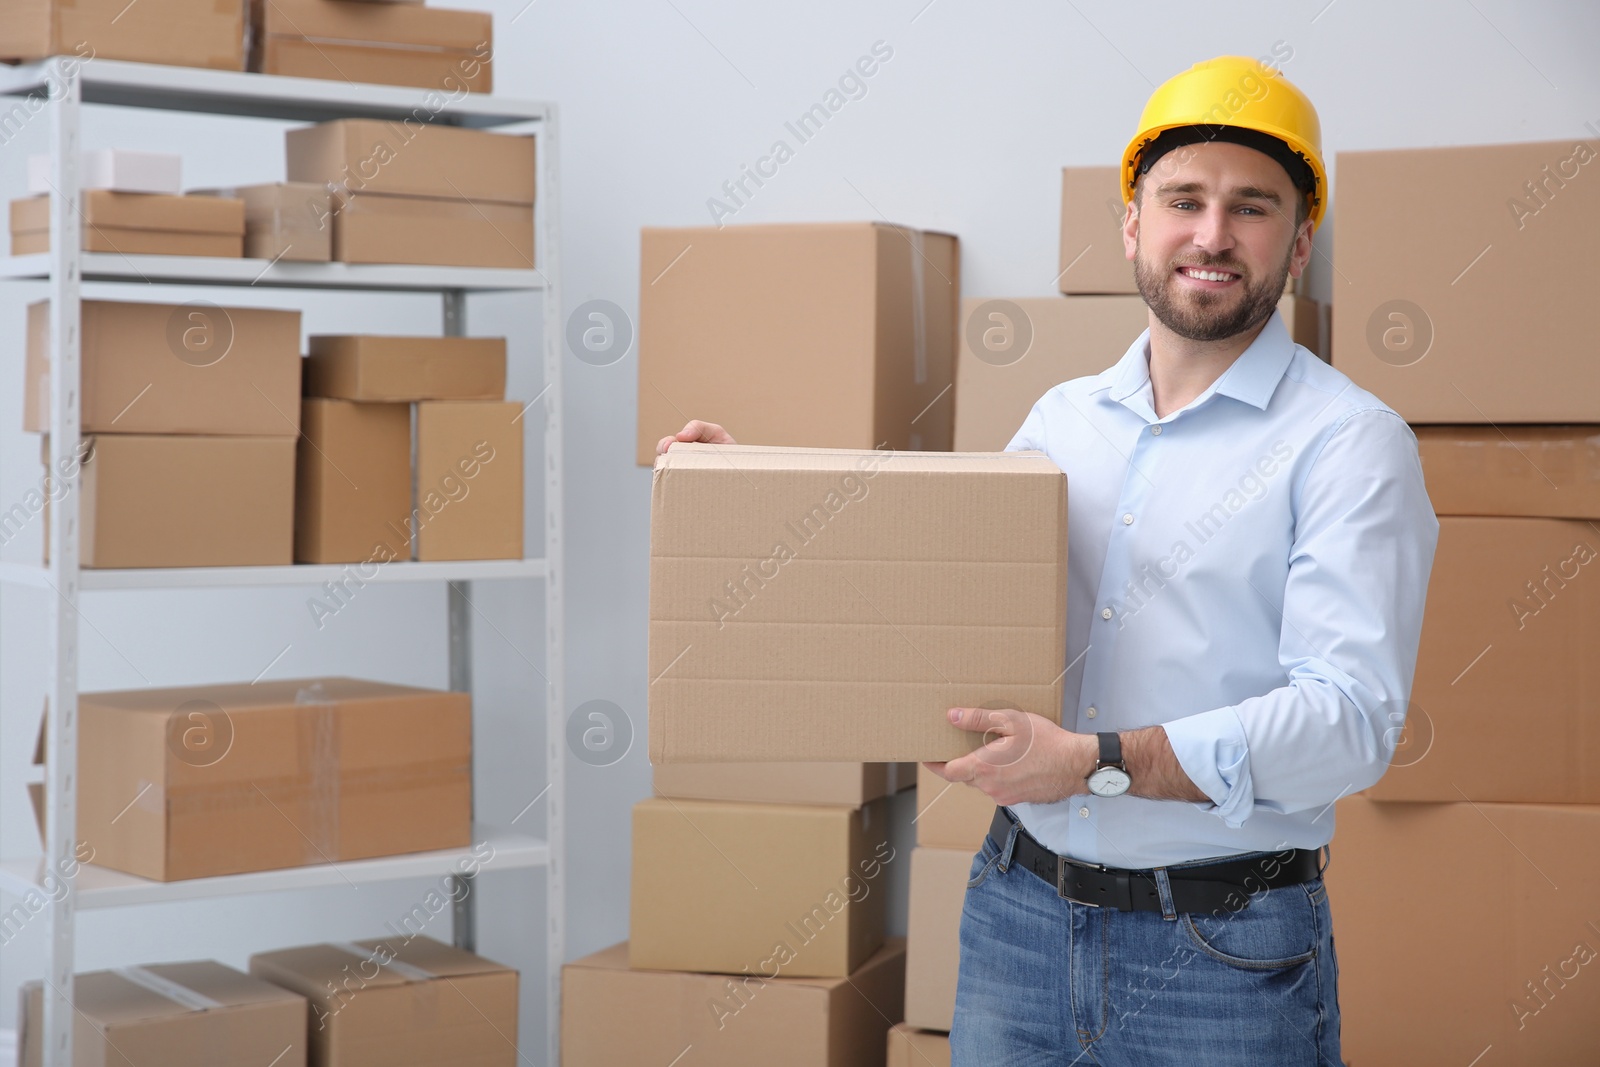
(1110, 775)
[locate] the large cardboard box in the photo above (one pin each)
(369, 367)
(854, 784)
(137, 223)
(933, 934)
(797, 890)
(196, 781)
(180, 33)
(951, 814)
(224, 501)
(174, 369)
(1092, 260)
(438, 231)
(284, 220)
(195, 1014)
(910, 1047)
(1435, 978)
(353, 482)
(1530, 471)
(837, 336)
(703, 1020)
(400, 1002)
(467, 501)
(440, 69)
(829, 604)
(353, 156)
(1506, 691)
(1466, 301)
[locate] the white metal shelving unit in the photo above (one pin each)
(60, 87)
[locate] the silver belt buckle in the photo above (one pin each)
(1061, 881)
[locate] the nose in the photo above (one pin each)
(1213, 230)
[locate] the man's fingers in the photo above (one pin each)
(977, 720)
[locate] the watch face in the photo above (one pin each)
(1109, 782)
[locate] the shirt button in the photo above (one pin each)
(1127, 520)
(1105, 613)
(1083, 813)
(1092, 712)
(1155, 431)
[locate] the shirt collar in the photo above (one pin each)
(1252, 378)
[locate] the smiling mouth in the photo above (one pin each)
(1203, 274)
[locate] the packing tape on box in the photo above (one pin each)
(424, 990)
(166, 987)
(919, 310)
(319, 752)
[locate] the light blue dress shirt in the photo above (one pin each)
(1248, 572)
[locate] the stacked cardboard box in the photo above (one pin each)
(180, 33)
(1497, 770)
(387, 43)
(421, 193)
(189, 415)
(910, 1047)
(409, 451)
(283, 220)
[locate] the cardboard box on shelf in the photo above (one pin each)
(854, 784)
(353, 482)
(754, 549)
(769, 889)
(951, 814)
(933, 928)
(174, 369)
(910, 1047)
(254, 777)
(729, 1022)
(116, 169)
(416, 25)
(435, 231)
(193, 1014)
(828, 335)
(1529, 471)
(1449, 307)
(289, 221)
(137, 224)
(355, 156)
(180, 33)
(467, 502)
(373, 367)
(1412, 990)
(1513, 612)
(1092, 261)
(402, 1001)
(441, 69)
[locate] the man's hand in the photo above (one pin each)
(1025, 759)
(705, 432)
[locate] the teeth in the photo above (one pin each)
(1207, 275)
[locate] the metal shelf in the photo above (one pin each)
(101, 887)
(298, 574)
(262, 273)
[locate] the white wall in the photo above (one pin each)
(964, 129)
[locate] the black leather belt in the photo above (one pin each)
(1225, 886)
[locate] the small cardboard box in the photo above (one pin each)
(1512, 619)
(909, 1047)
(289, 221)
(438, 231)
(719, 1021)
(197, 781)
(353, 482)
(1092, 260)
(195, 1014)
(467, 502)
(400, 1002)
(854, 784)
(797, 890)
(445, 70)
(828, 604)
(370, 367)
(178, 33)
(174, 369)
(354, 156)
(933, 934)
(827, 335)
(1530, 471)
(137, 224)
(116, 169)
(1468, 300)
(1412, 989)
(411, 25)
(951, 814)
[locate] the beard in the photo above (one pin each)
(1202, 315)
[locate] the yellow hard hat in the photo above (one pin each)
(1228, 97)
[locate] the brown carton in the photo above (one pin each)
(951, 814)
(137, 224)
(933, 929)
(197, 781)
(174, 369)
(706, 1020)
(195, 1014)
(353, 482)
(354, 156)
(854, 784)
(288, 221)
(758, 888)
(400, 1002)
(1513, 616)
(824, 604)
(441, 69)
(367, 367)
(1531, 471)
(439, 231)
(909, 1047)
(836, 336)
(180, 33)
(1466, 300)
(1412, 988)
(467, 502)
(1092, 260)
(414, 25)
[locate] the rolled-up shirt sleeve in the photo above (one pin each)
(1362, 550)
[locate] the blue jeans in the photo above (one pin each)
(1046, 981)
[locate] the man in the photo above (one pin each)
(1249, 548)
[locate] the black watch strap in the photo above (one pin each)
(1110, 749)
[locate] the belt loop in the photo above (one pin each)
(1164, 890)
(1325, 854)
(1010, 844)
